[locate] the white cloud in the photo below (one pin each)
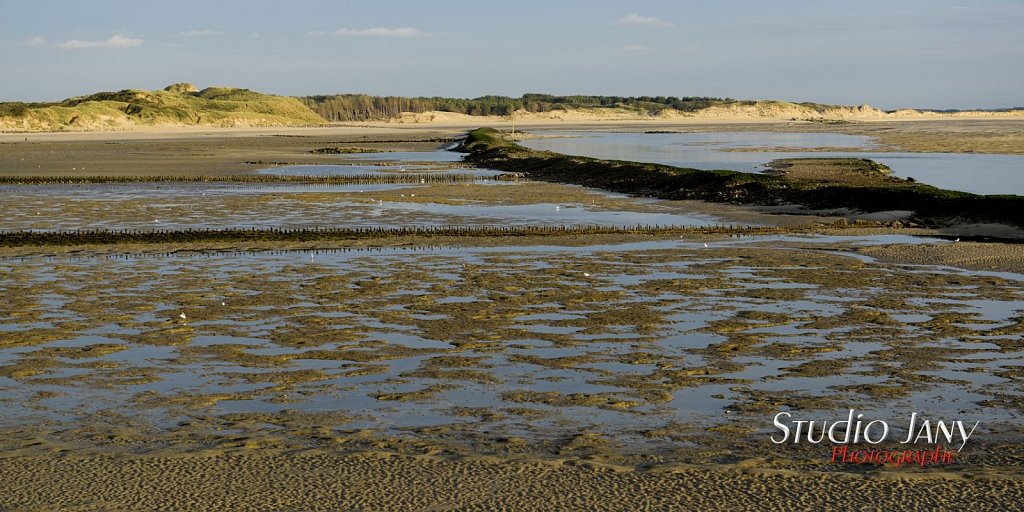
(403, 32)
(637, 19)
(199, 33)
(115, 41)
(634, 48)
(37, 41)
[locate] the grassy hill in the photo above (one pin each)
(176, 105)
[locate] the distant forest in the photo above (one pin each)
(362, 107)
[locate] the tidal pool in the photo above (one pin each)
(407, 156)
(538, 341)
(749, 151)
(164, 206)
(369, 170)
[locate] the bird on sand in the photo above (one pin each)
(182, 315)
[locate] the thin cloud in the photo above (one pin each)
(37, 41)
(115, 41)
(402, 32)
(200, 33)
(634, 48)
(636, 19)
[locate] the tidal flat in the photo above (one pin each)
(623, 371)
(616, 339)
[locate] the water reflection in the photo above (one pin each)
(408, 156)
(977, 173)
(356, 330)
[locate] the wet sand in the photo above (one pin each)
(581, 375)
(205, 152)
(531, 381)
(167, 206)
(262, 480)
(976, 256)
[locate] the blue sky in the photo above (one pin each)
(895, 53)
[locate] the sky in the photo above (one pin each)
(890, 54)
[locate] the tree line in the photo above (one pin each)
(362, 107)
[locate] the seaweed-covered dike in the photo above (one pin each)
(875, 190)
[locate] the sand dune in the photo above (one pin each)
(769, 111)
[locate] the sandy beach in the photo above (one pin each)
(262, 480)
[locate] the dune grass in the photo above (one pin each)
(177, 105)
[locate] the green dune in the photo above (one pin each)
(177, 105)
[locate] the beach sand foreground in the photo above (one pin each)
(317, 480)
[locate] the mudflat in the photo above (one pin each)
(196, 152)
(614, 372)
